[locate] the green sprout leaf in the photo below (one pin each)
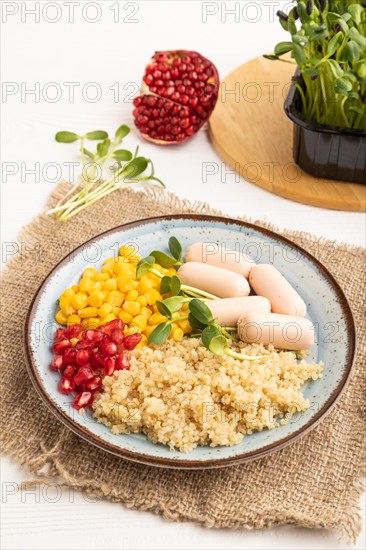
(88, 154)
(175, 248)
(200, 311)
(175, 285)
(163, 309)
(145, 265)
(195, 323)
(163, 259)
(165, 285)
(96, 135)
(121, 133)
(122, 155)
(134, 168)
(103, 148)
(160, 334)
(174, 303)
(66, 137)
(283, 47)
(213, 340)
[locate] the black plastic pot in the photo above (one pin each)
(326, 151)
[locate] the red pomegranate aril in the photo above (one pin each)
(122, 362)
(94, 383)
(109, 349)
(84, 344)
(66, 385)
(57, 362)
(59, 335)
(183, 76)
(83, 357)
(70, 371)
(82, 400)
(97, 359)
(70, 356)
(118, 336)
(83, 374)
(109, 366)
(73, 331)
(61, 346)
(131, 341)
(112, 325)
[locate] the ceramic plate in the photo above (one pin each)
(327, 308)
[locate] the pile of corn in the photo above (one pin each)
(115, 292)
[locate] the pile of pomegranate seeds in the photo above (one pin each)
(178, 94)
(95, 354)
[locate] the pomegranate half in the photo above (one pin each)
(178, 94)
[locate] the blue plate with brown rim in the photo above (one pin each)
(327, 308)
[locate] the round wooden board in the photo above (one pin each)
(251, 132)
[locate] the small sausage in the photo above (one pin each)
(214, 280)
(267, 281)
(283, 331)
(228, 310)
(220, 256)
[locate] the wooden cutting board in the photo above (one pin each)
(251, 132)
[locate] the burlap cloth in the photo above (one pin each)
(316, 482)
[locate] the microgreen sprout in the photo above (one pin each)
(128, 168)
(328, 44)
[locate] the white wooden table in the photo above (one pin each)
(57, 58)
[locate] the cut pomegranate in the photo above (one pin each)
(61, 346)
(57, 362)
(94, 383)
(72, 331)
(66, 385)
(131, 341)
(83, 374)
(178, 94)
(83, 357)
(122, 362)
(109, 366)
(82, 400)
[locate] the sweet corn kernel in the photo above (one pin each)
(116, 310)
(107, 318)
(115, 298)
(125, 317)
(176, 334)
(109, 262)
(79, 300)
(154, 308)
(185, 326)
(124, 283)
(90, 272)
(131, 330)
(74, 341)
(142, 301)
(111, 284)
(73, 319)
(66, 306)
(132, 295)
(185, 307)
(127, 251)
(132, 308)
(146, 312)
(108, 270)
(95, 298)
(134, 285)
(171, 272)
(75, 288)
(105, 310)
(68, 292)
(156, 319)
(144, 285)
(101, 277)
(61, 317)
(92, 322)
(140, 322)
(88, 312)
(96, 284)
(85, 284)
(152, 296)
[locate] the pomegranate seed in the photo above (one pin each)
(122, 362)
(131, 341)
(92, 336)
(84, 344)
(61, 346)
(97, 359)
(66, 385)
(112, 325)
(70, 356)
(109, 349)
(118, 336)
(57, 362)
(73, 331)
(83, 357)
(94, 383)
(83, 374)
(70, 371)
(109, 366)
(82, 400)
(59, 335)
